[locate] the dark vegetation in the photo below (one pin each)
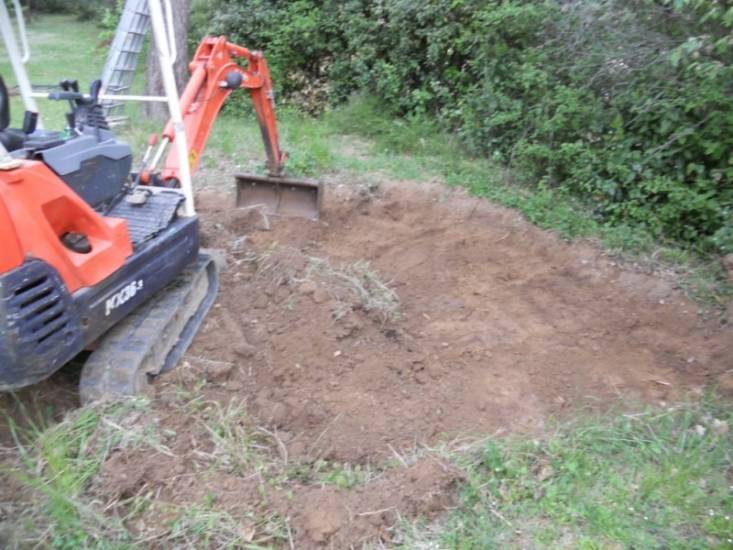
(84, 9)
(626, 104)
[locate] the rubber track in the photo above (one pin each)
(153, 338)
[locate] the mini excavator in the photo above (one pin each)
(102, 260)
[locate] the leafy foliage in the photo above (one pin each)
(623, 103)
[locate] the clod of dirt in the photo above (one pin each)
(340, 518)
(217, 371)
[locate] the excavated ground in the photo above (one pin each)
(499, 327)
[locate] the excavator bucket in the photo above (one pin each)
(280, 196)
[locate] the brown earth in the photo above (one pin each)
(500, 327)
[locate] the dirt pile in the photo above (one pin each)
(497, 325)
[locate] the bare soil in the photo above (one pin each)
(500, 327)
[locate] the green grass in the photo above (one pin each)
(62, 47)
(660, 479)
(58, 462)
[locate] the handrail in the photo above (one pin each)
(162, 42)
(21, 75)
(22, 32)
(171, 32)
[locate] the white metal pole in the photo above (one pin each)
(163, 41)
(21, 31)
(11, 46)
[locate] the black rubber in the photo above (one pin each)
(147, 220)
(153, 339)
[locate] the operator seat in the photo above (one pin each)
(11, 138)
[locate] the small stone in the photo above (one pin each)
(297, 449)
(233, 385)
(245, 350)
(218, 372)
(337, 353)
(700, 430)
(307, 288)
(320, 296)
(258, 335)
(279, 414)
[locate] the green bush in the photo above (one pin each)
(625, 103)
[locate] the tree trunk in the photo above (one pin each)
(153, 78)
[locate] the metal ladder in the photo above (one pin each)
(122, 60)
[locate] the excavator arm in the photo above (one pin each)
(214, 75)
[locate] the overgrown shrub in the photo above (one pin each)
(627, 103)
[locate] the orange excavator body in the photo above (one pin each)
(37, 208)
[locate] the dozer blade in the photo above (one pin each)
(278, 196)
(153, 338)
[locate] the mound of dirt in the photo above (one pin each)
(350, 518)
(495, 325)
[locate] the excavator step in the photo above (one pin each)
(151, 340)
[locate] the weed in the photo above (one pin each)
(343, 476)
(350, 286)
(355, 284)
(202, 526)
(233, 441)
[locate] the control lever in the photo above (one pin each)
(30, 121)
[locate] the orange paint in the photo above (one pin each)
(37, 208)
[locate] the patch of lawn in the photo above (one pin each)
(660, 479)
